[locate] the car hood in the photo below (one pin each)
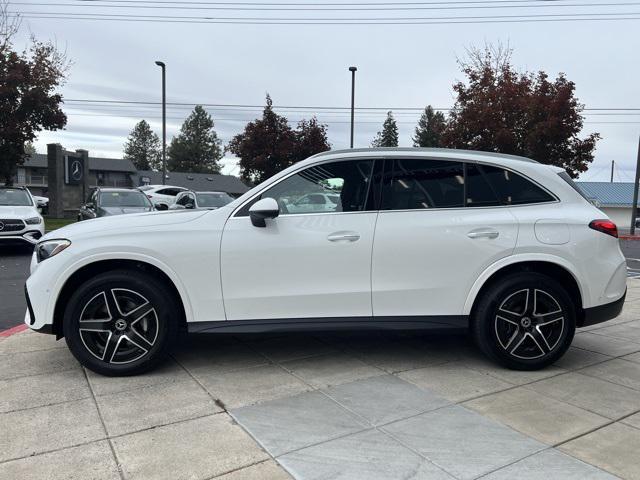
(125, 210)
(17, 212)
(125, 223)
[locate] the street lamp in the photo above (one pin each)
(353, 94)
(164, 121)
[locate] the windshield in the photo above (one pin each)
(208, 200)
(14, 197)
(124, 199)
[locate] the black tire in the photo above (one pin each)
(507, 329)
(134, 339)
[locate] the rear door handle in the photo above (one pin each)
(483, 233)
(343, 237)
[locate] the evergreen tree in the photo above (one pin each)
(196, 148)
(388, 137)
(429, 129)
(143, 148)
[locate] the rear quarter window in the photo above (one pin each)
(512, 188)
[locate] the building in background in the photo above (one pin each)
(199, 182)
(615, 199)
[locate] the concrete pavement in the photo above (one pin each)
(347, 406)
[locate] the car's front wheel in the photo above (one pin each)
(525, 321)
(121, 323)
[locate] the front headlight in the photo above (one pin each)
(50, 248)
(33, 221)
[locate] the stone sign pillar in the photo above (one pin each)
(68, 180)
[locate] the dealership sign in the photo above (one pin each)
(73, 170)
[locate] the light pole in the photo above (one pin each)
(164, 121)
(353, 94)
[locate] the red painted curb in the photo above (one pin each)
(13, 330)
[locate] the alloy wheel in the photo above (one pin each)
(118, 326)
(529, 323)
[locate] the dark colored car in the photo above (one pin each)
(201, 200)
(104, 202)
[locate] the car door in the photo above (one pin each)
(439, 227)
(303, 265)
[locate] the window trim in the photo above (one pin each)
(238, 209)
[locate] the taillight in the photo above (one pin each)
(605, 226)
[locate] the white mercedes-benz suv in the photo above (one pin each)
(420, 239)
(20, 220)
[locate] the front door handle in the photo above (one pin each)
(483, 233)
(343, 237)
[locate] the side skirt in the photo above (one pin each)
(436, 322)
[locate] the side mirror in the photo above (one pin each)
(189, 205)
(161, 206)
(263, 209)
(89, 205)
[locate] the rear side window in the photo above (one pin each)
(420, 184)
(512, 188)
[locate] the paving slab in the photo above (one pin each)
(454, 381)
(45, 389)
(633, 420)
(617, 371)
(613, 448)
(29, 341)
(385, 399)
(576, 358)
(626, 331)
(614, 347)
(37, 430)
(168, 372)
(292, 423)
(37, 362)
(514, 377)
(252, 385)
(92, 461)
(598, 396)
(290, 347)
(369, 455)
(215, 357)
(199, 448)
(147, 407)
(268, 470)
(462, 442)
(550, 464)
(394, 357)
(543, 418)
(634, 357)
(327, 370)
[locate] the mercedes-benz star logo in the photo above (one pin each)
(76, 170)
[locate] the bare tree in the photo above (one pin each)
(9, 24)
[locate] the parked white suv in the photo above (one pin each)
(421, 239)
(20, 220)
(162, 194)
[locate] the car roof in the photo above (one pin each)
(205, 191)
(419, 151)
(12, 188)
(116, 189)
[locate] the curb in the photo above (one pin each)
(13, 330)
(629, 237)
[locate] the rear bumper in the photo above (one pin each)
(602, 313)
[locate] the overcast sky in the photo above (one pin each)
(306, 65)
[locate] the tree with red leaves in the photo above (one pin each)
(501, 110)
(28, 99)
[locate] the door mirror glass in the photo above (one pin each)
(263, 209)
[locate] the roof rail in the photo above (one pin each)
(426, 151)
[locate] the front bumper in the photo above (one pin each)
(31, 237)
(602, 313)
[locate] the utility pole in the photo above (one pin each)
(634, 207)
(613, 162)
(353, 94)
(164, 121)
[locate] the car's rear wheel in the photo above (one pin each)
(121, 323)
(525, 321)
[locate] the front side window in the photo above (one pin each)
(421, 184)
(14, 197)
(327, 188)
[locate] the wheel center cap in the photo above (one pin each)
(525, 322)
(121, 324)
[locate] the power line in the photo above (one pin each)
(314, 4)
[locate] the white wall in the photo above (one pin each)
(621, 216)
